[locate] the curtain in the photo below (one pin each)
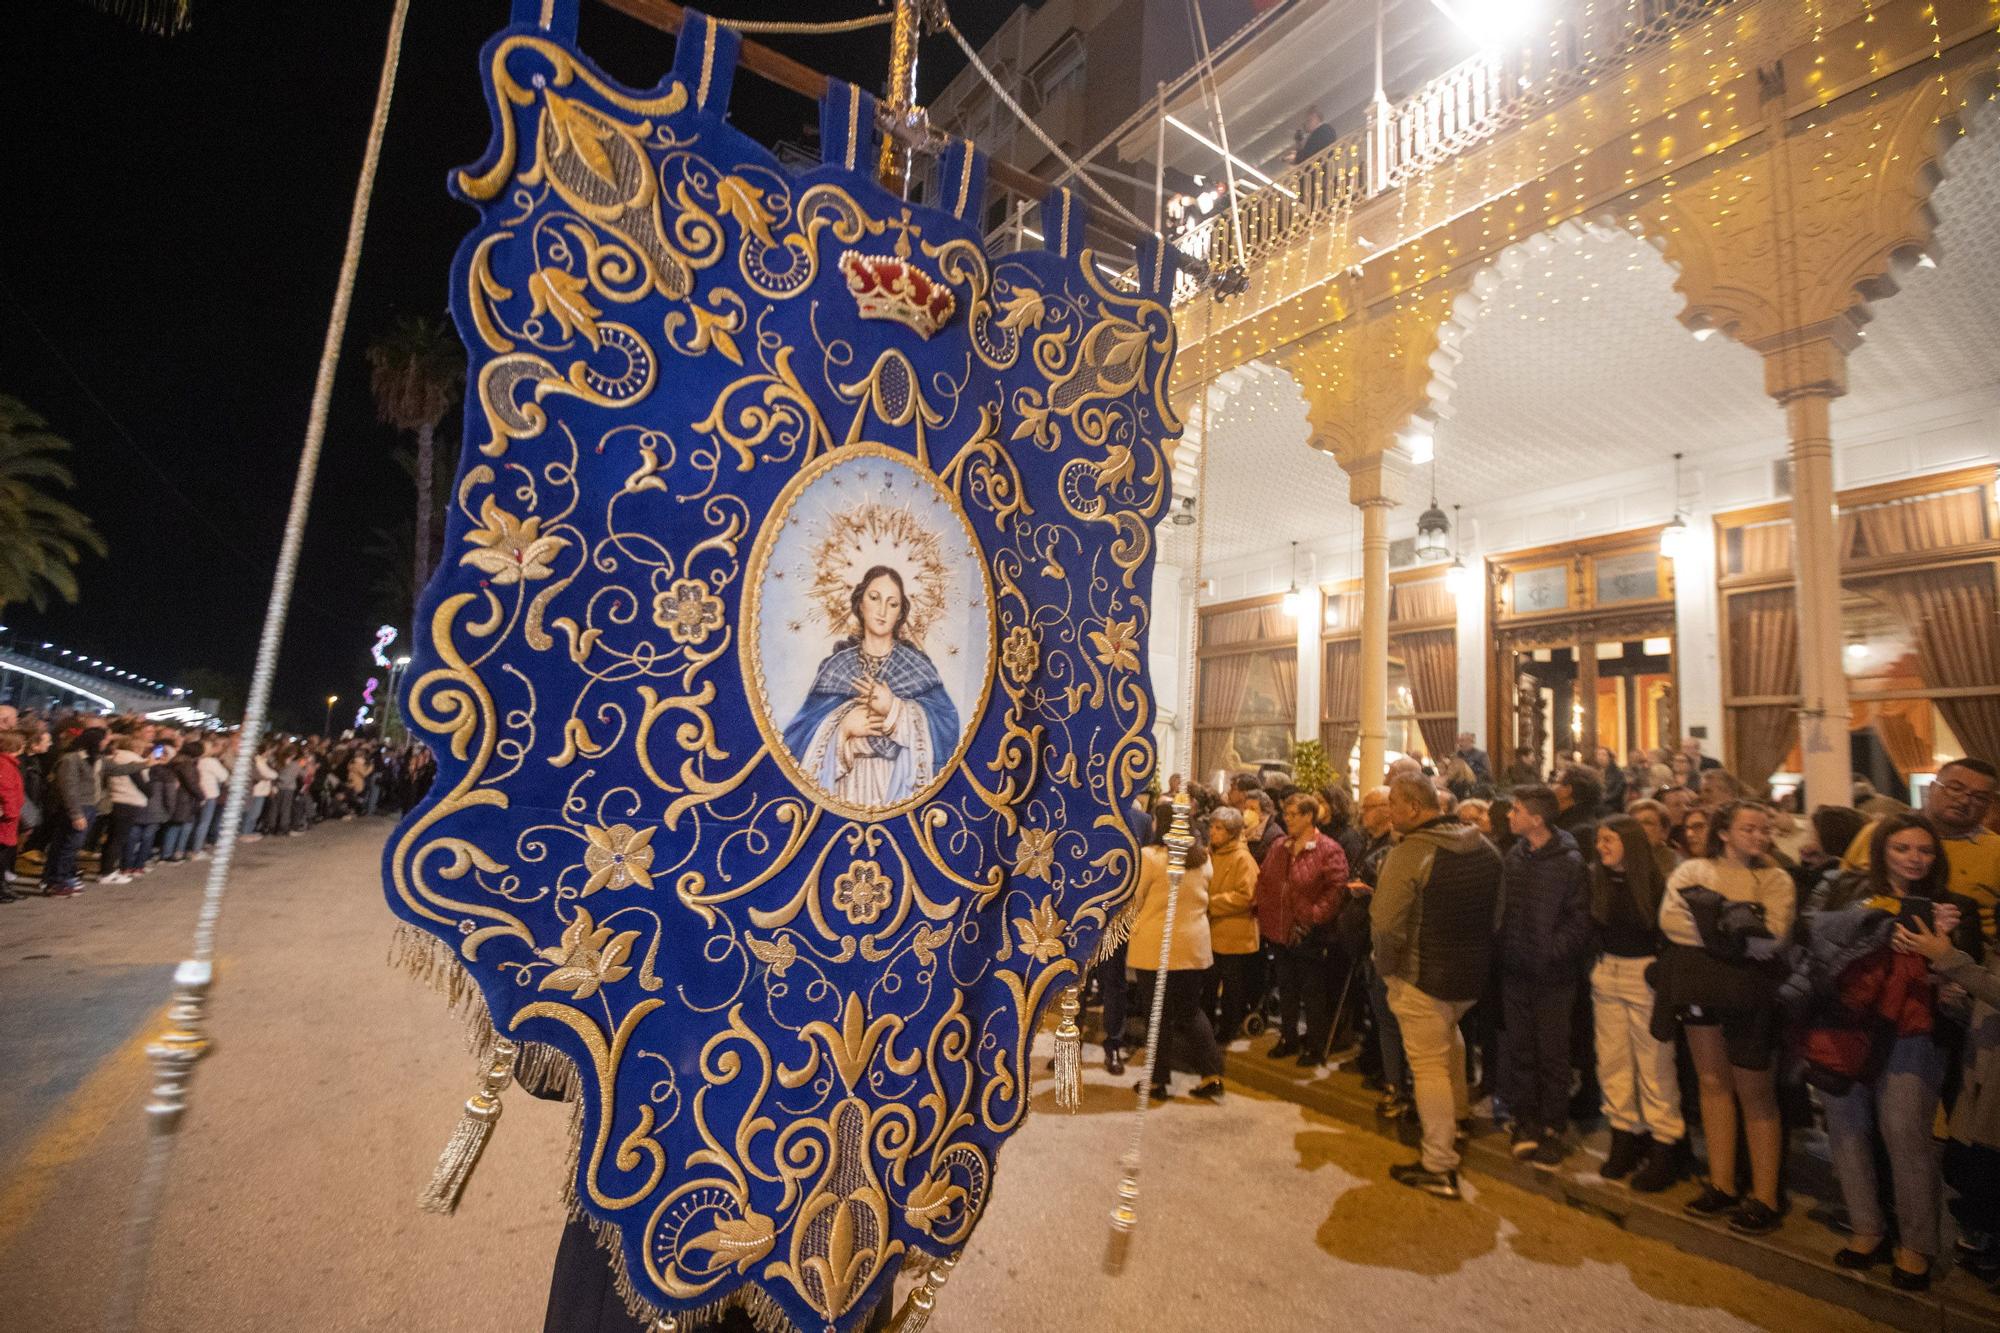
(1430, 660)
(1422, 601)
(1905, 527)
(1766, 548)
(1224, 629)
(1951, 615)
(1763, 660)
(1340, 700)
(1904, 726)
(1225, 682)
(1285, 685)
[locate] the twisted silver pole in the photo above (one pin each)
(1125, 1213)
(185, 1041)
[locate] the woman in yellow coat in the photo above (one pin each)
(1184, 1030)
(1234, 981)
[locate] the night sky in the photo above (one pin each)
(174, 221)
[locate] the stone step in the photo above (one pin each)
(1799, 1255)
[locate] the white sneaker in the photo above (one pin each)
(200, 856)
(114, 877)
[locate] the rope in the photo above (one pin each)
(191, 977)
(1213, 98)
(999, 90)
(783, 27)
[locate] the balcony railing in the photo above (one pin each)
(1450, 115)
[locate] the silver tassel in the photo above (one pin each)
(475, 1126)
(1069, 1053)
(916, 1312)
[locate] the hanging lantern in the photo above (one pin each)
(1433, 533)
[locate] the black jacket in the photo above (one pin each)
(1546, 931)
(1435, 908)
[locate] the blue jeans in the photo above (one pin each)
(202, 822)
(63, 847)
(1395, 1069)
(253, 810)
(1901, 1101)
(174, 841)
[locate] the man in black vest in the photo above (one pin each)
(1434, 916)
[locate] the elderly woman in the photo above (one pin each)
(1184, 1028)
(1299, 893)
(1232, 926)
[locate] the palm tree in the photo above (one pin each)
(417, 369)
(165, 17)
(41, 537)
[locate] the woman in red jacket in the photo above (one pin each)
(12, 795)
(1885, 1002)
(1299, 892)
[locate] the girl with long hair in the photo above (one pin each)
(1726, 914)
(1635, 1070)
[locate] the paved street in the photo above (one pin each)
(335, 1080)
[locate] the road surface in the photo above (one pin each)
(335, 1079)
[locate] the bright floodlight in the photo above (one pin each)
(1492, 22)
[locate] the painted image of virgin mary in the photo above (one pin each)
(877, 724)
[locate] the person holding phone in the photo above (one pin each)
(1896, 1091)
(1972, 1152)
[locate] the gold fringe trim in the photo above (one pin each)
(542, 1068)
(765, 1313)
(539, 1067)
(1116, 931)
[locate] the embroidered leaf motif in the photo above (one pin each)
(558, 293)
(745, 202)
(1022, 310)
(777, 954)
(1116, 467)
(928, 941)
(581, 133)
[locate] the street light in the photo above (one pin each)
(326, 728)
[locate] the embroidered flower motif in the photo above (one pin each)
(1041, 932)
(617, 856)
(688, 611)
(509, 549)
(588, 957)
(1118, 644)
(1020, 654)
(863, 893)
(1035, 853)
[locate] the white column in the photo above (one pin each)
(1306, 721)
(1697, 637)
(1475, 657)
(1805, 373)
(1369, 484)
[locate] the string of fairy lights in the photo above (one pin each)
(1676, 139)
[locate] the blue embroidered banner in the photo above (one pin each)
(786, 668)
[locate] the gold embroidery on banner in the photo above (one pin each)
(865, 1123)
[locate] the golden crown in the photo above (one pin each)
(886, 287)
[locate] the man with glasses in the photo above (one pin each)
(1956, 803)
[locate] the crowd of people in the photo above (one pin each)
(1643, 943)
(108, 800)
